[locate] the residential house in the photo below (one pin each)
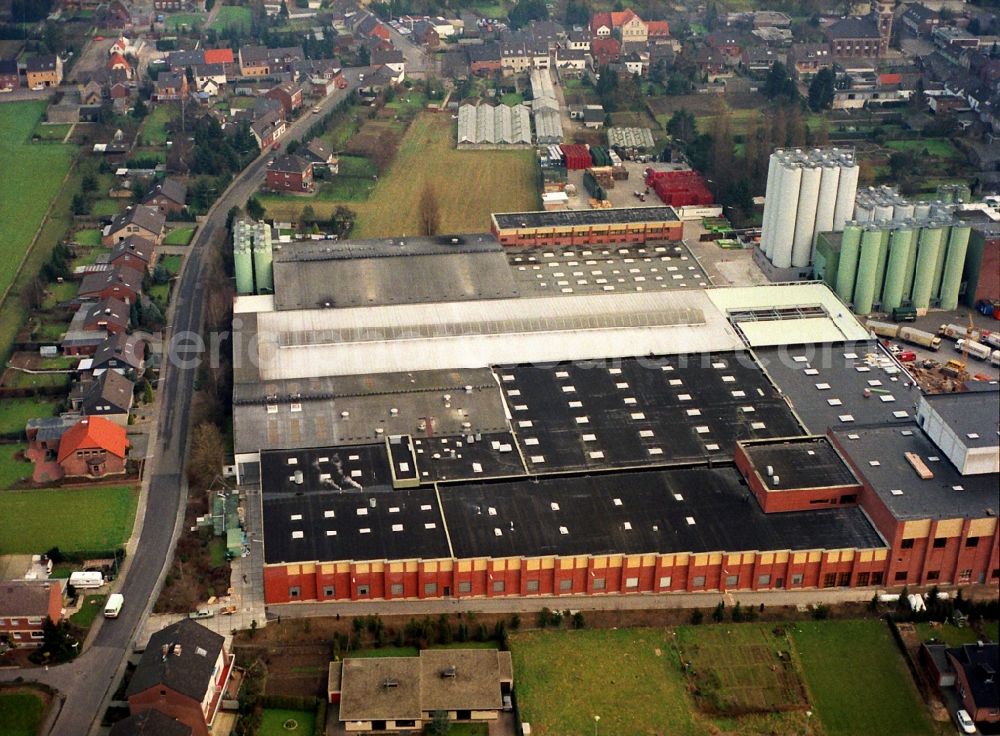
(183, 673)
(592, 116)
(150, 723)
(120, 46)
(180, 61)
(393, 60)
(118, 63)
(214, 73)
(260, 61)
(121, 95)
(170, 86)
(572, 60)
(632, 28)
(854, 37)
(45, 70)
(121, 353)
(10, 78)
(758, 60)
(370, 27)
(656, 29)
(484, 59)
(289, 95)
(24, 606)
(920, 19)
(604, 50)
(425, 34)
(806, 59)
(713, 64)
(290, 174)
(135, 252)
(109, 395)
(268, 128)
(600, 25)
(953, 38)
(146, 222)
(92, 94)
(108, 315)
(636, 63)
(319, 155)
(44, 435)
(546, 32)
(976, 679)
(116, 14)
(93, 447)
(378, 81)
(578, 41)
(168, 195)
(123, 283)
(728, 44)
(219, 56)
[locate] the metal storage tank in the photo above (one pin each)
(847, 189)
(900, 244)
(243, 257)
(866, 282)
(263, 268)
(951, 279)
(911, 261)
(770, 205)
(827, 201)
(883, 211)
(902, 210)
(805, 219)
(784, 219)
(883, 257)
(847, 268)
(927, 252)
(921, 210)
(939, 263)
(864, 212)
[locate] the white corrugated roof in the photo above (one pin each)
(790, 332)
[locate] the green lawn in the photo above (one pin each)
(20, 379)
(87, 237)
(272, 722)
(512, 98)
(182, 21)
(217, 551)
(171, 263)
(12, 470)
(21, 712)
(154, 130)
(52, 132)
(940, 147)
(75, 520)
(857, 681)
(231, 16)
(160, 293)
(179, 236)
(32, 176)
(947, 633)
(14, 413)
(58, 293)
(92, 605)
(105, 207)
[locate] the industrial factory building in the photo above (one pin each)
(587, 227)
(705, 439)
(808, 192)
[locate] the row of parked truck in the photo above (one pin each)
(972, 344)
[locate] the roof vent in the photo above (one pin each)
(449, 671)
(390, 682)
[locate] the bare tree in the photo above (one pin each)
(430, 210)
(207, 455)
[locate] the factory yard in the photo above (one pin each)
(469, 186)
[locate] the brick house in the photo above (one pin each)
(94, 447)
(24, 606)
(289, 95)
(146, 222)
(183, 674)
(121, 353)
(290, 174)
(170, 87)
(118, 63)
(44, 70)
(149, 722)
(484, 60)
(319, 155)
(123, 283)
(854, 37)
(260, 61)
(109, 397)
(975, 679)
(110, 315)
(135, 252)
(604, 51)
(268, 128)
(169, 195)
(425, 34)
(9, 76)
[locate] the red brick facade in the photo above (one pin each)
(23, 628)
(589, 235)
(172, 703)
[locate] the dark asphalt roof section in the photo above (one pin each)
(980, 664)
(188, 664)
(808, 462)
(569, 218)
(853, 27)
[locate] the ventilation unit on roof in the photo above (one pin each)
(299, 477)
(390, 682)
(450, 671)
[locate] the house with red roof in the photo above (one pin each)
(93, 447)
(605, 50)
(219, 56)
(118, 63)
(658, 29)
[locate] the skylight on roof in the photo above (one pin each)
(298, 534)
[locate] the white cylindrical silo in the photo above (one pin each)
(902, 210)
(921, 211)
(863, 211)
(883, 211)
(770, 205)
(805, 218)
(784, 218)
(847, 190)
(827, 202)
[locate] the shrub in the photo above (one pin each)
(821, 612)
(697, 616)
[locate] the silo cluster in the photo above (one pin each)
(885, 204)
(808, 192)
(889, 263)
(252, 257)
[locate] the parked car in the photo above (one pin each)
(964, 721)
(316, 111)
(4, 90)
(202, 613)
(38, 87)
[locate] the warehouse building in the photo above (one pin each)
(587, 227)
(493, 126)
(545, 108)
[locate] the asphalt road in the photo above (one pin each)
(85, 685)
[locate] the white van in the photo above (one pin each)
(114, 605)
(86, 579)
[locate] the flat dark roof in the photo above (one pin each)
(973, 417)
(825, 384)
(569, 218)
(878, 454)
(348, 468)
(332, 250)
(468, 457)
(663, 511)
(809, 462)
(640, 411)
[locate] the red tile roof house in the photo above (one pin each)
(24, 606)
(119, 282)
(135, 252)
(146, 222)
(169, 195)
(93, 448)
(44, 436)
(290, 174)
(183, 673)
(289, 95)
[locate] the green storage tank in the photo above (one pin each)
(883, 256)
(939, 263)
(911, 264)
(243, 256)
(868, 268)
(826, 258)
(951, 279)
(847, 266)
(923, 278)
(262, 260)
(973, 266)
(900, 243)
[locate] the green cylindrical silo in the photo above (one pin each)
(974, 266)
(900, 243)
(847, 267)
(243, 257)
(911, 265)
(951, 279)
(939, 263)
(883, 255)
(923, 278)
(262, 260)
(868, 267)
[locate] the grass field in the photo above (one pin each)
(231, 16)
(11, 469)
(92, 605)
(940, 147)
(21, 712)
(106, 207)
(52, 131)
(83, 519)
(14, 413)
(179, 236)
(857, 681)
(154, 130)
(32, 176)
(184, 20)
(947, 633)
(469, 185)
(273, 722)
(87, 237)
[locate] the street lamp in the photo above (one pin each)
(806, 727)
(597, 719)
